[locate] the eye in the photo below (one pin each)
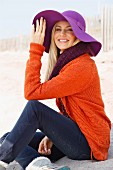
(69, 30)
(57, 29)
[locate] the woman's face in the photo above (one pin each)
(63, 36)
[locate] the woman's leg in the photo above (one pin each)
(3, 137)
(64, 132)
(24, 157)
(30, 152)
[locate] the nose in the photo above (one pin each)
(63, 32)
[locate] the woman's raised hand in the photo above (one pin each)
(39, 35)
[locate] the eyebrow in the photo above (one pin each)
(60, 26)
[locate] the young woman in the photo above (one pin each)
(81, 129)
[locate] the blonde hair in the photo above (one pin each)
(53, 55)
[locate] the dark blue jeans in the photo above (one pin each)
(22, 142)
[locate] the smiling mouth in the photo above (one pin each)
(61, 40)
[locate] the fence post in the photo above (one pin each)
(107, 27)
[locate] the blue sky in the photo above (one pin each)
(16, 15)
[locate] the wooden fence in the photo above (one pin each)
(15, 44)
(107, 27)
(101, 27)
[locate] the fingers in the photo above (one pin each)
(44, 147)
(44, 27)
(33, 29)
(38, 34)
(37, 25)
(41, 146)
(41, 26)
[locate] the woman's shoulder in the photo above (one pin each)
(82, 61)
(83, 58)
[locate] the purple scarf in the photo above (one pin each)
(64, 58)
(69, 55)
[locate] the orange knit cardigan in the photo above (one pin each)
(78, 86)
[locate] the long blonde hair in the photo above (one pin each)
(53, 54)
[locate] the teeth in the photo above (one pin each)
(62, 40)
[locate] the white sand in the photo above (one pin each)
(12, 102)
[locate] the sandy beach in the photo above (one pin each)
(12, 101)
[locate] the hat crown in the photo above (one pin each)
(78, 19)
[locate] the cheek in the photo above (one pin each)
(73, 38)
(55, 37)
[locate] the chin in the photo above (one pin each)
(62, 49)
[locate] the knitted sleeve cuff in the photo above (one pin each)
(36, 49)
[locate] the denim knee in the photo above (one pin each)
(3, 137)
(33, 102)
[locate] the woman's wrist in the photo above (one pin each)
(36, 49)
(36, 46)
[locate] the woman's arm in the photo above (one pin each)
(71, 80)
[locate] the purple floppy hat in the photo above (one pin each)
(77, 23)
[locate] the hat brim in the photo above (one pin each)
(52, 17)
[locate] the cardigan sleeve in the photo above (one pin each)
(71, 80)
